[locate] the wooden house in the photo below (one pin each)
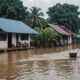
(65, 36)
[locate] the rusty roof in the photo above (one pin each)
(67, 30)
(59, 30)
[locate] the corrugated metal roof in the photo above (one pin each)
(69, 31)
(13, 26)
(59, 30)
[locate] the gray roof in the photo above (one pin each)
(13, 26)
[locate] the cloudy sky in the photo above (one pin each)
(45, 4)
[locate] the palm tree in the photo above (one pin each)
(35, 14)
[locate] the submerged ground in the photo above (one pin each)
(40, 64)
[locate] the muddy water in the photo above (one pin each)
(40, 64)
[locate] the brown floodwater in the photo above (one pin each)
(40, 64)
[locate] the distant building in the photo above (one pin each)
(12, 32)
(65, 35)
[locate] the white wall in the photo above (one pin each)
(70, 40)
(27, 41)
(14, 39)
(4, 44)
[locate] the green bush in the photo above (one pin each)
(46, 37)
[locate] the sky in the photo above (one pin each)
(45, 4)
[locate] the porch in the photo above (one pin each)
(16, 49)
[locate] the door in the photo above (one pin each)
(9, 40)
(17, 37)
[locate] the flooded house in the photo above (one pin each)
(65, 35)
(12, 32)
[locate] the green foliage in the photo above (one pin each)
(35, 17)
(65, 15)
(13, 9)
(44, 22)
(46, 37)
(79, 24)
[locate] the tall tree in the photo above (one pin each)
(13, 9)
(35, 15)
(79, 24)
(66, 15)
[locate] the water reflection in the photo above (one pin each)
(17, 66)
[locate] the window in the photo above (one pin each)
(2, 37)
(24, 37)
